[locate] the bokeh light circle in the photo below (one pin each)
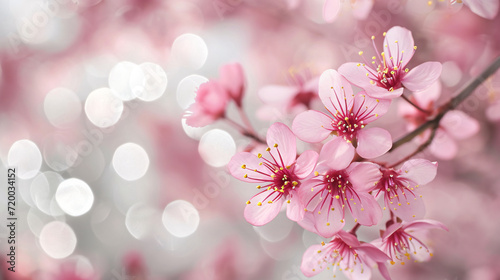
(25, 155)
(74, 196)
(190, 51)
(130, 161)
(148, 81)
(186, 90)
(180, 218)
(217, 147)
(58, 240)
(62, 107)
(103, 108)
(119, 80)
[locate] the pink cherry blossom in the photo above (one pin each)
(279, 173)
(401, 188)
(210, 105)
(387, 74)
(291, 99)
(401, 244)
(233, 80)
(354, 258)
(455, 125)
(484, 8)
(349, 114)
(339, 186)
(360, 9)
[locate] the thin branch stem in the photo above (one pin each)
(355, 228)
(414, 105)
(243, 131)
(450, 105)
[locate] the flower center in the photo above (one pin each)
(347, 126)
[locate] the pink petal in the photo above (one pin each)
(309, 193)
(312, 126)
(459, 125)
(361, 8)
(484, 8)
(420, 171)
(335, 91)
(422, 76)
(349, 238)
(331, 9)
(328, 221)
(337, 154)
(373, 252)
(305, 164)
(408, 206)
(373, 142)
(356, 270)
(390, 230)
(366, 105)
(286, 150)
(311, 85)
(308, 222)
(356, 74)
(250, 162)
(424, 225)
(294, 209)
(312, 261)
(384, 271)
(403, 49)
(425, 98)
(261, 215)
(366, 210)
(232, 78)
(278, 96)
(443, 146)
(382, 93)
(364, 175)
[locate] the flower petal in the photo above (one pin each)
(459, 125)
(424, 225)
(368, 108)
(294, 207)
(364, 175)
(382, 93)
(361, 8)
(427, 98)
(305, 164)
(278, 96)
(398, 43)
(312, 126)
(308, 222)
(232, 78)
(336, 154)
(443, 146)
(373, 142)
(314, 260)
(420, 171)
(348, 238)
(335, 91)
(242, 166)
(373, 252)
(329, 217)
(331, 9)
(286, 150)
(260, 212)
(366, 210)
(406, 205)
(422, 76)
(484, 8)
(356, 74)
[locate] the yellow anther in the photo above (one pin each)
(415, 47)
(312, 189)
(360, 53)
(316, 173)
(248, 202)
(337, 196)
(392, 262)
(258, 187)
(396, 41)
(270, 201)
(259, 203)
(268, 149)
(327, 224)
(373, 57)
(373, 37)
(295, 183)
(377, 100)
(276, 145)
(288, 201)
(243, 166)
(259, 155)
(385, 33)
(322, 243)
(319, 212)
(245, 176)
(402, 263)
(319, 251)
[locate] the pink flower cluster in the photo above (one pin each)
(338, 179)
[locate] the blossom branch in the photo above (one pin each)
(414, 105)
(450, 105)
(244, 131)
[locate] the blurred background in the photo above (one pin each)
(112, 184)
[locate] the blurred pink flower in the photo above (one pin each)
(400, 188)
(291, 99)
(233, 80)
(350, 115)
(339, 186)
(360, 9)
(279, 172)
(391, 74)
(210, 105)
(354, 258)
(484, 8)
(399, 241)
(455, 124)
